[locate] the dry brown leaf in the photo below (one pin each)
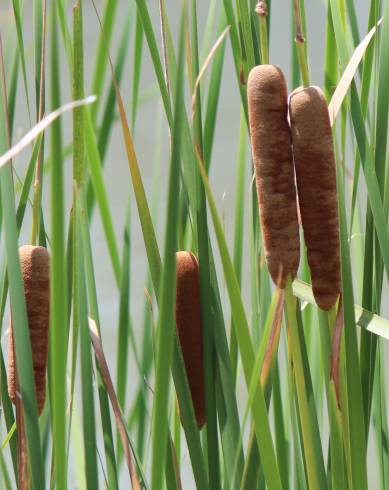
(98, 348)
(348, 75)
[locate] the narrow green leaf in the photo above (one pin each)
(108, 118)
(19, 30)
(38, 42)
(245, 26)
(58, 279)
(338, 475)
(89, 424)
(123, 327)
(19, 316)
(103, 43)
(311, 444)
(238, 225)
(364, 318)
(205, 286)
(213, 96)
(94, 311)
(259, 411)
(100, 191)
(4, 473)
(364, 149)
(165, 329)
(381, 418)
(357, 440)
(181, 383)
(138, 50)
(65, 31)
(9, 418)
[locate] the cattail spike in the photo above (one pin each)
(35, 266)
(188, 319)
(316, 182)
(273, 162)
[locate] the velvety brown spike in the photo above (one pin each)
(35, 266)
(273, 162)
(188, 319)
(316, 183)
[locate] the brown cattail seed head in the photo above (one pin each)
(188, 319)
(35, 266)
(316, 183)
(273, 162)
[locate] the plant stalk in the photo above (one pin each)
(37, 199)
(300, 45)
(261, 10)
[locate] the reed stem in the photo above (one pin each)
(300, 45)
(261, 10)
(37, 199)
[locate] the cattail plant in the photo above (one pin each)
(316, 183)
(35, 264)
(273, 162)
(188, 319)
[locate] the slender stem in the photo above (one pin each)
(261, 9)
(332, 317)
(315, 466)
(36, 208)
(300, 44)
(78, 93)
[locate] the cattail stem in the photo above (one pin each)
(37, 199)
(300, 45)
(36, 210)
(332, 312)
(315, 473)
(261, 10)
(78, 93)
